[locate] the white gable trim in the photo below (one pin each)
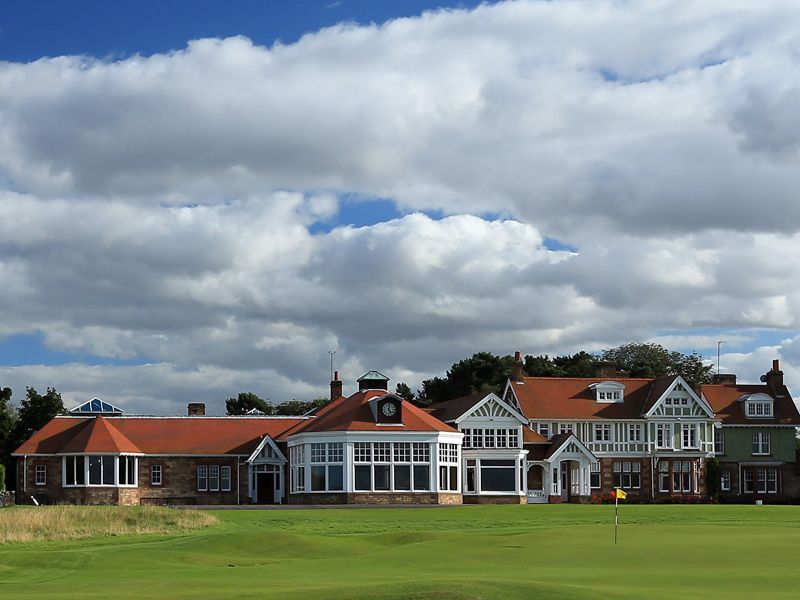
(491, 397)
(700, 401)
(572, 439)
(267, 440)
(514, 394)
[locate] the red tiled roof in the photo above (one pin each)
(450, 410)
(99, 435)
(571, 398)
(201, 436)
(531, 437)
(354, 414)
(725, 400)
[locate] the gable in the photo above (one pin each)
(680, 400)
(267, 452)
(491, 408)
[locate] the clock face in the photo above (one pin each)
(389, 409)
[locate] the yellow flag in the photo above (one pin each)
(621, 494)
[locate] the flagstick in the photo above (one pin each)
(616, 516)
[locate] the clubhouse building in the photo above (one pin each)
(542, 440)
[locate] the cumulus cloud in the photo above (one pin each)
(165, 208)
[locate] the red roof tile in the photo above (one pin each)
(571, 398)
(354, 414)
(201, 436)
(531, 437)
(725, 400)
(99, 435)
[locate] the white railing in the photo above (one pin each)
(537, 497)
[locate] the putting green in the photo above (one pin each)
(470, 552)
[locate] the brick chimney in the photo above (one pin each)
(516, 370)
(774, 379)
(724, 379)
(336, 386)
(196, 409)
(606, 369)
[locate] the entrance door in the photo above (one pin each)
(565, 481)
(265, 488)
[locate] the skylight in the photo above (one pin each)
(95, 406)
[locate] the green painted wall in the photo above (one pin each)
(739, 444)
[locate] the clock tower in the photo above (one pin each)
(389, 409)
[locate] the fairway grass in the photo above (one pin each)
(460, 553)
(50, 523)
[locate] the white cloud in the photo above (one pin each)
(161, 207)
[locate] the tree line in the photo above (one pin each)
(487, 372)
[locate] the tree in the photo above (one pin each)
(296, 407)
(35, 411)
(653, 360)
(7, 418)
(245, 402)
(404, 392)
(482, 372)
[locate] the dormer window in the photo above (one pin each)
(758, 406)
(608, 391)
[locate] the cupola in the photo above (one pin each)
(373, 380)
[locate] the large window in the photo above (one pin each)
(664, 435)
(719, 442)
(297, 469)
(327, 467)
(761, 442)
(491, 438)
(689, 437)
(99, 470)
(385, 466)
(498, 475)
(682, 476)
(602, 432)
(213, 478)
(766, 481)
(627, 475)
(594, 475)
(448, 467)
(725, 481)
(663, 476)
(634, 433)
(759, 409)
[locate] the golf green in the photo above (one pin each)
(470, 552)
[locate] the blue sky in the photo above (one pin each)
(203, 201)
(31, 30)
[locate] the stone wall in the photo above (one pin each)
(179, 484)
(494, 499)
(376, 498)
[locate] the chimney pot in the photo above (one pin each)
(336, 386)
(516, 369)
(774, 379)
(196, 409)
(724, 379)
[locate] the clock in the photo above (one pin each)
(388, 409)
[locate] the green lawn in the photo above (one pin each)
(455, 553)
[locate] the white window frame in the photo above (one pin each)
(762, 444)
(202, 478)
(594, 472)
(80, 464)
(544, 430)
(156, 474)
(664, 430)
(725, 481)
(41, 475)
(719, 442)
(689, 430)
(606, 431)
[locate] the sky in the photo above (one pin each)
(202, 198)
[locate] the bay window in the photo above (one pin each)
(327, 467)
(385, 466)
(99, 470)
